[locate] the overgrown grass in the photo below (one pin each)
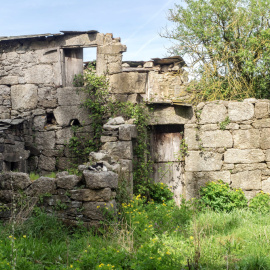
(145, 236)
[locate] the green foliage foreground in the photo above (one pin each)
(147, 235)
(227, 45)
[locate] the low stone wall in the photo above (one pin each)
(229, 141)
(73, 199)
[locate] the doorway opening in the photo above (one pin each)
(165, 142)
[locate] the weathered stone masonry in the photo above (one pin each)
(239, 155)
(36, 74)
(73, 199)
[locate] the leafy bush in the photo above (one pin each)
(160, 192)
(219, 197)
(260, 203)
(227, 46)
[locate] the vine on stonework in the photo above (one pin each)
(101, 107)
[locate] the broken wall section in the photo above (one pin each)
(74, 200)
(157, 81)
(34, 86)
(229, 141)
(116, 154)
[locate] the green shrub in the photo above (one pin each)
(260, 203)
(160, 192)
(220, 197)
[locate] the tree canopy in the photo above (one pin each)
(227, 44)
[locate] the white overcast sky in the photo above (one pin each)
(137, 22)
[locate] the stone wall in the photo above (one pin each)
(33, 74)
(73, 199)
(154, 82)
(118, 140)
(36, 74)
(13, 150)
(229, 141)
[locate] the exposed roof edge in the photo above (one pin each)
(47, 35)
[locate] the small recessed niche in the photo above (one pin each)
(12, 166)
(50, 118)
(75, 122)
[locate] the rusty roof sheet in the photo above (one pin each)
(5, 38)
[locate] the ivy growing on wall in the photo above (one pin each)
(101, 107)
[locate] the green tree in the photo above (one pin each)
(227, 44)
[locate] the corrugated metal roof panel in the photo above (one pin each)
(47, 35)
(24, 37)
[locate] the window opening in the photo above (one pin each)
(74, 62)
(75, 122)
(50, 118)
(89, 56)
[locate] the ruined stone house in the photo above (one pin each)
(224, 140)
